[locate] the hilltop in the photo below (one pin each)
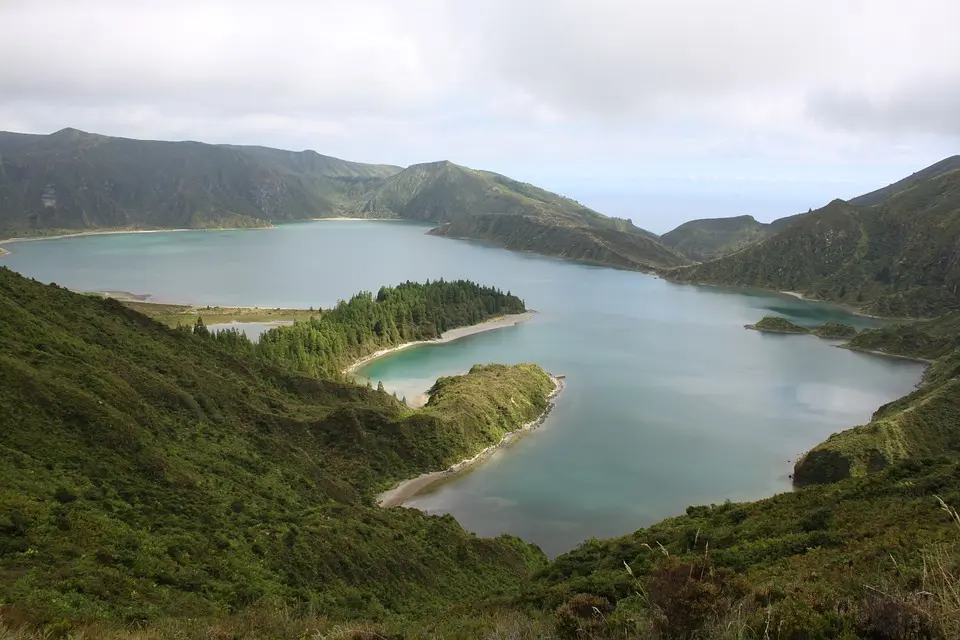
(73, 181)
(710, 238)
(900, 257)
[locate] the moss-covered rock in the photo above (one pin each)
(776, 324)
(835, 330)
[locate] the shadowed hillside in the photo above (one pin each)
(897, 258)
(711, 238)
(486, 206)
(72, 181)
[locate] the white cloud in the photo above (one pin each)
(551, 89)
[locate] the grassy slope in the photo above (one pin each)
(923, 423)
(776, 324)
(711, 238)
(806, 561)
(150, 472)
(899, 258)
(486, 206)
(937, 169)
(71, 180)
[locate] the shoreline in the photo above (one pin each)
(500, 322)
(877, 352)
(407, 489)
(341, 218)
(107, 232)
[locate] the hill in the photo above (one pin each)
(898, 258)
(72, 180)
(937, 169)
(486, 206)
(150, 472)
(169, 483)
(711, 238)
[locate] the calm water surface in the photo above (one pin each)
(669, 401)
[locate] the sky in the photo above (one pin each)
(660, 111)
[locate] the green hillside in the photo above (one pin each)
(150, 472)
(486, 206)
(71, 180)
(711, 238)
(166, 483)
(937, 169)
(923, 423)
(898, 258)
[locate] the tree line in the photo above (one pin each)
(328, 343)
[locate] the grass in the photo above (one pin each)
(174, 315)
(776, 324)
(150, 472)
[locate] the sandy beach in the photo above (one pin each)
(449, 336)
(409, 488)
(358, 219)
(116, 232)
(794, 294)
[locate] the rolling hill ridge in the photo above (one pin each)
(74, 181)
(900, 257)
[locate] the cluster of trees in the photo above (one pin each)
(328, 343)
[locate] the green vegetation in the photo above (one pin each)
(329, 343)
(166, 478)
(487, 206)
(896, 258)
(174, 315)
(149, 472)
(776, 324)
(856, 559)
(937, 169)
(711, 238)
(159, 482)
(835, 330)
(73, 181)
(923, 423)
(925, 339)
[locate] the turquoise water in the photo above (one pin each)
(669, 401)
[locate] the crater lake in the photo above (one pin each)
(668, 401)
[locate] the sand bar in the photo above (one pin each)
(409, 488)
(500, 322)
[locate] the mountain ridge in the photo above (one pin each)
(900, 257)
(72, 180)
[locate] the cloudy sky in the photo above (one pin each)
(658, 110)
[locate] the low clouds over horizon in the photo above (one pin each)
(583, 97)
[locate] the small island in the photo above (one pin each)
(776, 324)
(835, 330)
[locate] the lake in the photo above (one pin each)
(669, 401)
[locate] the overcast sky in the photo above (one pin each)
(661, 111)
